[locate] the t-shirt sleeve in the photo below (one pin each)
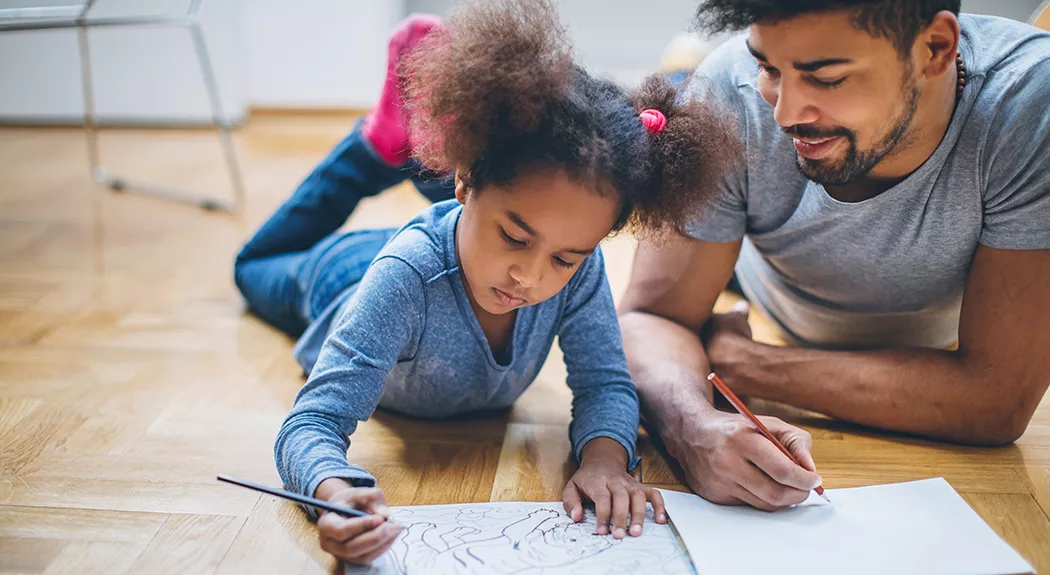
(604, 400)
(1016, 166)
(724, 219)
(381, 322)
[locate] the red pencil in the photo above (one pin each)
(739, 405)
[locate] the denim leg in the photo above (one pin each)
(325, 199)
(270, 287)
(335, 264)
(289, 291)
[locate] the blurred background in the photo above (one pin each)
(307, 54)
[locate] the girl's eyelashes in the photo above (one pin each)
(563, 263)
(521, 243)
(510, 240)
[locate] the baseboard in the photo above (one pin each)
(277, 111)
(115, 122)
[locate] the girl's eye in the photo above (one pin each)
(514, 242)
(560, 262)
(768, 69)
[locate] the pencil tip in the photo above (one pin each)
(824, 497)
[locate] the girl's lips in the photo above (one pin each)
(506, 299)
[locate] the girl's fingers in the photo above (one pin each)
(659, 510)
(370, 499)
(602, 509)
(374, 542)
(639, 497)
(342, 529)
(572, 502)
(621, 506)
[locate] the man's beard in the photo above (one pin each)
(856, 164)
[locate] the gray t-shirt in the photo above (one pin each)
(889, 271)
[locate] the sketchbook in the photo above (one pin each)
(526, 538)
(919, 527)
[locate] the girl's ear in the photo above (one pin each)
(461, 188)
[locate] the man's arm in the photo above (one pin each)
(672, 291)
(983, 393)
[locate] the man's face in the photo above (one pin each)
(846, 97)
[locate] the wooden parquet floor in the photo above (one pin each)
(130, 375)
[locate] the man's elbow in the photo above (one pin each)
(1004, 426)
(998, 434)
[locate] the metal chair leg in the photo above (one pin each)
(117, 183)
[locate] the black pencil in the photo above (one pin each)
(311, 501)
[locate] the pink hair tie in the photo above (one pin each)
(655, 121)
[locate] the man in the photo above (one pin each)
(893, 219)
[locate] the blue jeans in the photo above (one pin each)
(297, 263)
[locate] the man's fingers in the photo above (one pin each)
(573, 502)
(798, 441)
(621, 506)
(342, 529)
(778, 466)
(745, 497)
(766, 489)
(639, 498)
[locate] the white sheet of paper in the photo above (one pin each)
(533, 538)
(920, 527)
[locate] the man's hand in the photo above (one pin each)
(727, 461)
(725, 335)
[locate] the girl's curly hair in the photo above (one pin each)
(495, 92)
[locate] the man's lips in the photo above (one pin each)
(815, 148)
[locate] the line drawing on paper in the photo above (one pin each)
(520, 538)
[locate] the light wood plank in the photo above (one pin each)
(79, 524)
(28, 555)
(1019, 521)
(189, 544)
(95, 558)
(534, 465)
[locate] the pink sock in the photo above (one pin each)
(387, 126)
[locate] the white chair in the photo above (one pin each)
(52, 17)
(1041, 17)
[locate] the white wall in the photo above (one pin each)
(140, 74)
(294, 54)
(318, 53)
(308, 53)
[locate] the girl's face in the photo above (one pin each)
(518, 245)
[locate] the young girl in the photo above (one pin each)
(457, 311)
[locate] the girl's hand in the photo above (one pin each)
(358, 540)
(603, 479)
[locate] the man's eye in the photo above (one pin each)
(828, 83)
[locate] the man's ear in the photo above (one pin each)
(939, 43)
(462, 190)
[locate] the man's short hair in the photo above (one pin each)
(899, 21)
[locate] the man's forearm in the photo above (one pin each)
(669, 369)
(921, 391)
